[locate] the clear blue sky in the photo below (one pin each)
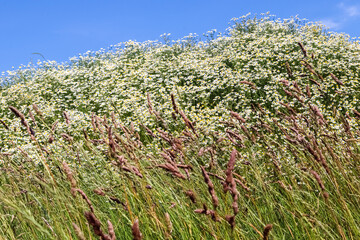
(60, 29)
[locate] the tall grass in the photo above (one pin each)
(257, 143)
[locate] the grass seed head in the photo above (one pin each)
(78, 232)
(267, 230)
(136, 230)
(95, 223)
(111, 231)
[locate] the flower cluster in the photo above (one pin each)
(246, 67)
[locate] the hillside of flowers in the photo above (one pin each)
(248, 134)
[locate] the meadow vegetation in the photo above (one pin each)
(249, 134)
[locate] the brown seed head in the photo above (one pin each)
(302, 49)
(95, 223)
(191, 195)
(149, 103)
(211, 189)
(176, 110)
(111, 230)
(136, 230)
(266, 232)
(69, 174)
(67, 119)
(168, 223)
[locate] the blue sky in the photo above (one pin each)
(63, 29)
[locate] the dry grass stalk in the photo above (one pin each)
(290, 109)
(149, 103)
(252, 85)
(169, 227)
(235, 135)
(266, 126)
(115, 199)
(188, 134)
(217, 176)
(321, 156)
(176, 110)
(36, 109)
(66, 116)
(311, 150)
(99, 191)
(112, 114)
(191, 195)
(233, 140)
(128, 147)
(78, 232)
(126, 131)
(231, 163)
(136, 230)
(201, 151)
(172, 169)
(121, 160)
(112, 143)
(188, 123)
(51, 139)
(66, 137)
(69, 174)
(297, 88)
(285, 82)
(231, 221)
(267, 230)
(336, 79)
(53, 127)
(211, 189)
(302, 49)
(93, 122)
(149, 131)
(98, 124)
(240, 181)
(317, 112)
(321, 184)
(206, 211)
(314, 81)
(95, 223)
(311, 69)
(160, 119)
(288, 93)
(247, 133)
(288, 69)
(137, 172)
(32, 118)
(346, 124)
(4, 124)
(105, 122)
(81, 192)
(86, 136)
(165, 136)
(122, 163)
(111, 231)
(177, 145)
(299, 99)
(23, 121)
(230, 184)
(184, 166)
(167, 157)
(318, 179)
(357, 114)
(282, 185)
(308, 93)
